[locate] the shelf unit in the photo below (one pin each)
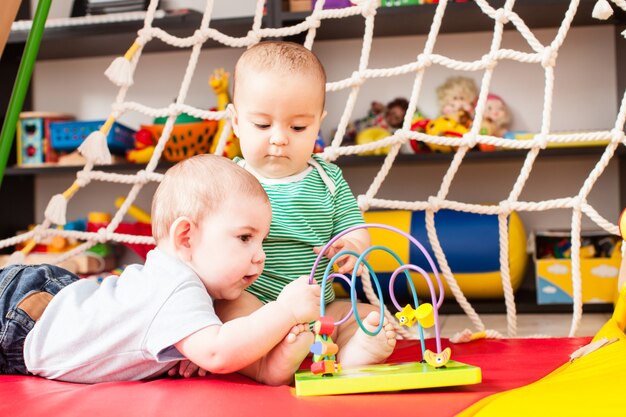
(113, 38)
(459, 18)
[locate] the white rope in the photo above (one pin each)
(540, 54)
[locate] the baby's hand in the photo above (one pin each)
(301, 299)
(345, 263)
(186, 369)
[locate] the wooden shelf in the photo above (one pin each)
(344, 161)
(504, 155)
(104, 39)
(101, 39)
(459, 17)
(69, 169)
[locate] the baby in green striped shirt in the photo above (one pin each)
(278, 106)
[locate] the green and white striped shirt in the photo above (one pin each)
(305, 213)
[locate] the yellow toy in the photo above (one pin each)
(373, 134)
(134, 211)
(590, 384)
(437, 360)
(219, 82)
(424, 315)
(445, 126)
(144, 147)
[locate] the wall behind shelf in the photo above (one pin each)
(585, 88)
(585, 98)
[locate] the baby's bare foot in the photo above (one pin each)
(363, 349)
(284, 360)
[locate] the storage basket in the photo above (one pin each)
(186, 139)
(67, 136)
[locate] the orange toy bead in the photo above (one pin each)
(325, 349)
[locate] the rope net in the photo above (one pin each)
(122, 69)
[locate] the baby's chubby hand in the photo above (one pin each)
(186, 369)
(301, 299)
(345, 263)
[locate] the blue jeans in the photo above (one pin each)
(25, 291)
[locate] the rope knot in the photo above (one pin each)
(424, 61)
(142, 177)
(470, 140)
(313, 21)
(617, 135)
(330, 153)
(364, 202)
(82, 179)
(357, 79)
(198, 36)
(369, 8)
(434, 202)
(489, 61)
(502, 16)
(253, 37)
(548, 58)
(542, 140)
(101, 235)
(173, 110)
(117, 109)
(577, 202)
(505, 207)
(144, 36)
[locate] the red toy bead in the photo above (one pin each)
(324, 326)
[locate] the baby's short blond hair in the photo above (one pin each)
(196, 187)
(281, 57)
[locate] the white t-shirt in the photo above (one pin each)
(123, 328)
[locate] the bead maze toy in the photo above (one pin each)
(435, 369)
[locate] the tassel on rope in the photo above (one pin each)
(602, 10)
(19, 257)
(120, 71)
(95, 147)
(57, 207)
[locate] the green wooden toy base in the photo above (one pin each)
(387, 377)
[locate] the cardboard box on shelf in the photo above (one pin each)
(599, 266)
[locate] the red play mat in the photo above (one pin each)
(505, 364)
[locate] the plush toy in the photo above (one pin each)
(394, 114)
(496, 120)
(382, 121)
(497, 117)
(456, 99)
(373, 134)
